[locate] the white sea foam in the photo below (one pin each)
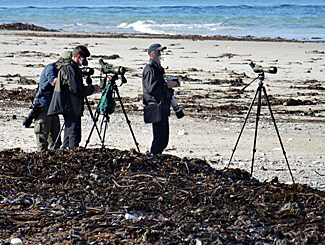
(154, 27)
(141, 26)
(74, 24)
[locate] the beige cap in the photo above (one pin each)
(66, 55)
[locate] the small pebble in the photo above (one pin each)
(16, 241)
(183, 132)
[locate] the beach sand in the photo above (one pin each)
(212, 73)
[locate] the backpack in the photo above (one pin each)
(107, 102)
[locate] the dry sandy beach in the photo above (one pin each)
(212, 72)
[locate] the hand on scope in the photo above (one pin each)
(96, 88)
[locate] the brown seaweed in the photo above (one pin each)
(108, 196)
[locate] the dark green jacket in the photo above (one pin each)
(69, 92)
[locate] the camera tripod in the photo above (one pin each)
(258, 94)
(105, 118)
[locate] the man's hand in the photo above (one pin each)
(172, 84)
(96, 88)
(54, 81)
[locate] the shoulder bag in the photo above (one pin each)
(152, 113)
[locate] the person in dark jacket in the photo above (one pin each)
(157, 90)
(46, 127)
(69, 94)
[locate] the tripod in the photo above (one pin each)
(105, 118)
(63, 125)
(258, 94)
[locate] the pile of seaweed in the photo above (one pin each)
(19, 94)
(109, 196)
(23, 26)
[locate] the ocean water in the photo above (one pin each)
(300, 19)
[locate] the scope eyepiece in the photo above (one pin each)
(101, 62)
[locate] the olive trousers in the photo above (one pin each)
(47, 129)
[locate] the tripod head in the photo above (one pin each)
(112, 80)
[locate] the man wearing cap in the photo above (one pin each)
(69, 94)
(46, 127)
(157, 90)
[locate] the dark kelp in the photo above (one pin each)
(108, 196)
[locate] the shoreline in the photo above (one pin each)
(26, 29)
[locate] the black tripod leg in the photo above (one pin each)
(258, 113)
(58, 137)
(242, 129)
(277, 131)
(94, 121)
(106, 121)
(127, 119)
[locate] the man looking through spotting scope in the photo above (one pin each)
(69, 94)
(46, 127)
(157, 98)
